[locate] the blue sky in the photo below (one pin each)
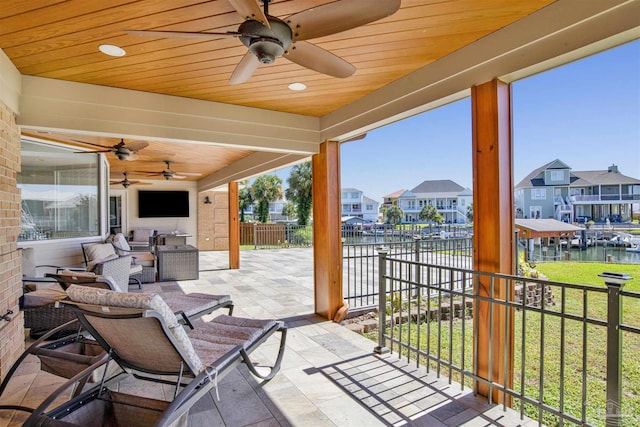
(586, 113)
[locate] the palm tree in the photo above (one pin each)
(300, 192)
(266, 189)
(289, 210)
(245, 199)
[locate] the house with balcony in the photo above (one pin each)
(355, 204)
(449, 198)
(391, 199)
(554, 190)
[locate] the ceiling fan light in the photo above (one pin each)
(266, 50)
(112, 50)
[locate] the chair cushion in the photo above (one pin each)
(78, 274)
(146, 259)
(195, 303)
(144, 301)
(98, 251)
(135, 269)
(120, 242)
(43, 297)
(142, 235)
(213, 339)
(91, 264)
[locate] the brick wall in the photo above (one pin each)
(213, 221)
(11, 333)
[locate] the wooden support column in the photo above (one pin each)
(327, 234)
(234, 227)
(493, 249)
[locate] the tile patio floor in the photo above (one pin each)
(329, 377)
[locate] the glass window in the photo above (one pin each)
(557, 175)
(538, 193)
(59, 192)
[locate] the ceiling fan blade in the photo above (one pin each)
(318, 59)
(137, 145)
(189, 173)
(131, 157)
(182, 34)
(177, 176)
(245, 69)
(93, 151)
(91, 143)
(339, 16)
(250, 9)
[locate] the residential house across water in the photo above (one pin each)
(450, 199)
(354, 203)
(554, 190)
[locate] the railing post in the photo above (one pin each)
(416, 259)
(382, 299)
(255, 235)
(614, 282)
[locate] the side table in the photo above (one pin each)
(177, 262)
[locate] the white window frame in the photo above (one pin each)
(538, 194)
(557, 175)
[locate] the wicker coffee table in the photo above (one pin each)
(177, 262)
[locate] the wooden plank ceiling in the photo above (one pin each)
(59, 39)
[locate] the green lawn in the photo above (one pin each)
(587, 272)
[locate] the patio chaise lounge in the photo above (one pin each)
(41, 314)
(141, 334)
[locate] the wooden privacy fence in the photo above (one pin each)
(275, 235)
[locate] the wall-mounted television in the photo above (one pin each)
(163, 204)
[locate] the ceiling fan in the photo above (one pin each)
(126, 183)
(168, 173)
(268, 37)
(121, 150)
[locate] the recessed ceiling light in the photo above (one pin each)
(297, 86)
(111, 50)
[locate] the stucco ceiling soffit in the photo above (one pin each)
(47, 103)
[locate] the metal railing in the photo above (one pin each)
(360, 264)
(559, 353)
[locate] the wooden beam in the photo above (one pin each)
(234, 227)
(493, 229)
(327, 244)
